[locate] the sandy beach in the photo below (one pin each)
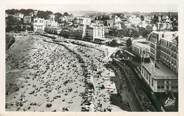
(47, 76)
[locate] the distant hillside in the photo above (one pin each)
(87, 13)
(97, 13)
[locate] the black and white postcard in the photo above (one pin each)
(91, 57)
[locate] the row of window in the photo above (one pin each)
(171, 64)
(173, 48)
(174, 68)
(174, 55)
(167, 87)
(38, 21)
(167, 53)
(39, 26)
(167, 44)
(166, 50)
(146, 76)
(168, 59)
(153, 51)
(153, 46)
(98, 33)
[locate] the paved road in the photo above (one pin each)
(124, 90)
(137, 88)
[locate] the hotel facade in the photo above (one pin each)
(161, 74)
(164, 48)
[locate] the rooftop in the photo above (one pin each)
(142, 45)
(140, 39)
(161, 71)
(165, 32)
(171, 38)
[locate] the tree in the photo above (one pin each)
(11, 11)
(113, 43)
(129, 43)
(112, 32)
(23, 11)
(9, 41)
(121, 33)
(142, 18)
(105, 17)
(145, 31)
(65, 33)
(26, 11)
(12, 24)
(175, 24)
(66, 14)
(44, 14)
(132, 33)
(142, 31)
(155, 19)
(11, 20)
(57, 16)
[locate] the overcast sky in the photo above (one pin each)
(97, 5)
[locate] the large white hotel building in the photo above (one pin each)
(162, 73)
